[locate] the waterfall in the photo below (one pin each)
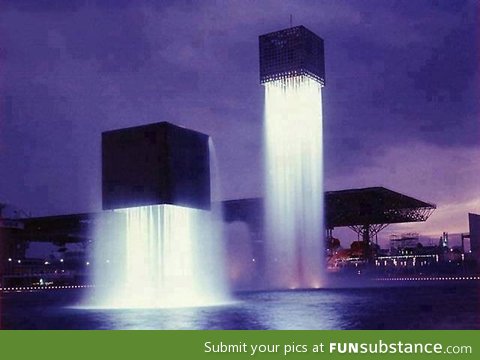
(294, 183)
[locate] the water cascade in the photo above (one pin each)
(159, 256)
(294, 182)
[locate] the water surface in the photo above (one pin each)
(414, 307)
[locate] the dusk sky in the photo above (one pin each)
(401, 102)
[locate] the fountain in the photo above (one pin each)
(159, 240)
(292, 71)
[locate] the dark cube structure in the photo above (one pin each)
(155, 164)
(291, 52)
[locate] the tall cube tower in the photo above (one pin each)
(292, 71)
(155, 164)
(291, 52)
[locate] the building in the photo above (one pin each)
(474, 225)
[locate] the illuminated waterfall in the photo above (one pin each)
(168, 256)
(161, 255)
(294, 182)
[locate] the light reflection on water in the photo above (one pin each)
(446, 307)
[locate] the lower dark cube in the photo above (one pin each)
(155, 164)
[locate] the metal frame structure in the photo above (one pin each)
(291, 52)
(404, 241)
(368, 211)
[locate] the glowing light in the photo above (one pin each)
(172, 258)
(61, 260)
(9, 259)
(294, 181)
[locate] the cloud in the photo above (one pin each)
(71, 71)
(449, 217)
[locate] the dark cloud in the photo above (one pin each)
(396, 71)
(116, 40)
(448, 72)
(33, 6)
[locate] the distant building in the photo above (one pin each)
(404, 242)
(443, 242)
(474, 224)
(12, 244)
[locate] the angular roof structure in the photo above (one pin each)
(374, 205)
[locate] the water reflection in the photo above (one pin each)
(381, 308)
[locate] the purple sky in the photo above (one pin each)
(401, 106)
